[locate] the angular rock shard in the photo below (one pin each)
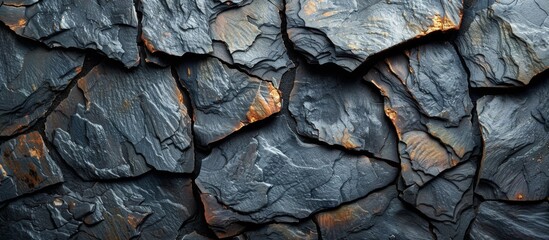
(26, 166)
(270, 175)
(275, 231)
(528, 221)
(515, 130)
(340, 109)
(118, 123)
(225, 99)
(151, 207)
(107, 26)
(245, 33)
(30, 79)
(380, 215)
(505, 44)
(348, 32)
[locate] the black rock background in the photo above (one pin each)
(233, 130)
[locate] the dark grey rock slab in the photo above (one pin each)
(225, 99)
(348, 32)
(343, 110)
(30, 79)
(151, 207)
(107, 26)
(26, 166)
(306, 230)
(380, 215)
(498, 220)
(505, 44)
(243, 33)
(515, 130)
(119, 123)
(268, 175)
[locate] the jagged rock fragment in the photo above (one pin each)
(106, 26)
(150, 207)
(30, 79)
(275, 231)
(26, 166)
(245, 33)
(505, 44)
(340, 109)
(348, 32)
(515, 130)
(118, 123)
(498, 220)
(380, 215)
(225, 99)
(269, 175)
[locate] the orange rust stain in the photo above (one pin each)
(134, 221)
(346, 140)
(189, 72)
(262, 107)
(329, 13)
(126, 105)
(310, 8)
(520, 196)
(334, 219)
(78, 70)
(454, 162)
(4, 173)
(440, 24)
(20, 24)
(148, 44)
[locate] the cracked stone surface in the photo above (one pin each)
(269, 174)
(506, 43)
(107, 26)
(151, 207)
(306, 230)
(26, 166)
(515, 163)
(225, 99)
(244, 33)
(340, 109)
(30, 79)
(118, 123)
(348, 32)
(380, 215)
(528, 221)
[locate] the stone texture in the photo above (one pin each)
(515, 163)
(225, 99)
(340, 109)
(118, 123)
(348, 32)
(245, 33)
(498, 220)
(268, 174)
(30, 79)
(107, 26)
(505, 43)
(275, 231)
(380, 215)
(26, 166)
(151, 207)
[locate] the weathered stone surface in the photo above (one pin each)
(348, 32)
(505, 44)
(340, 109)
(151, 207)
(245, 33)
(225, 99)
(270, 175)
(497, 220)
(107, 26)
(26, 166)
(277, 231)
(380, 215)
(118, 123)
(515, 130)
(30, 78)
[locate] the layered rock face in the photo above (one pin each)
(274, 119)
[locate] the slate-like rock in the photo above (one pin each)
(498, 220)
(30, 79)
(505, 44)
(380, 215)
(26, 166)
(340, 109)
(277, 231)
(225, 99)
(348, 32)
(106, 26)
(268, 174)
(515, 130)
(151, 207)
(245, 33)
(118, 123)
